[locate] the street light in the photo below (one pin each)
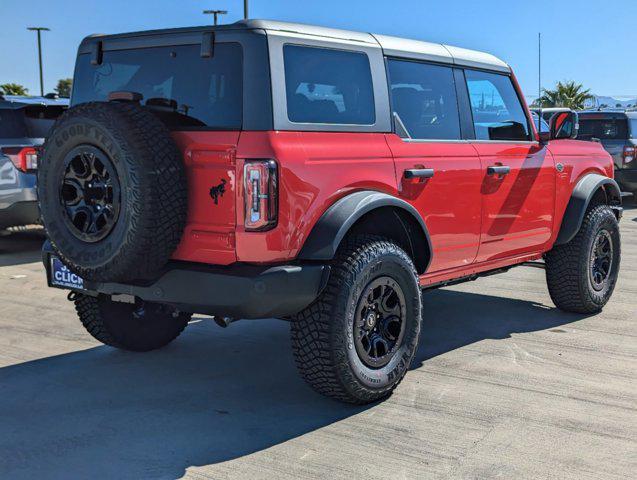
(215, 13)
(245, 9)
(39, 30)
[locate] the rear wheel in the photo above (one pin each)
(140, 327)
(357, 341)
(581, 275)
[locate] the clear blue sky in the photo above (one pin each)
(590, 41)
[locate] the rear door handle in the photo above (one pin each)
(419, 173)
(498, 170)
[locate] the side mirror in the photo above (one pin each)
(564, 125)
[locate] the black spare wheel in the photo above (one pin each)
(112, 191)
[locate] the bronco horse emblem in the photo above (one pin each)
(218, 191)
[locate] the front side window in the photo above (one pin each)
(497, 111)
(328, 86)
(184, 89)
(424, 100)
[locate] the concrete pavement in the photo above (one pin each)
(504, 386)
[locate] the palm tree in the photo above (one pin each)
(13, 89)
(568, 94)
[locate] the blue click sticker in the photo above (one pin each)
(61, 276)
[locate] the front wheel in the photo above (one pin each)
(581, 274)
(139, 326)
(357, 341)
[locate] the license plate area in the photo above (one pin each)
(61, 277)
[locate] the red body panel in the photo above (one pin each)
(210, 158)
(476, 222)
(315, 170)
(449, 202)
(518, 208)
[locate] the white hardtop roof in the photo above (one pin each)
(392, 46)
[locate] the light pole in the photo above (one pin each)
(215, 13)
(245, 9)
(39, 30)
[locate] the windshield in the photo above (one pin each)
(12, 124)
(603, 128)
(33, 121)
(183, 88)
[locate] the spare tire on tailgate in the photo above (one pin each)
(112, 191)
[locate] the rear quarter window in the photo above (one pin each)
(328, 86)
(184, 89)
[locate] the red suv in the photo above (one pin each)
(325, 177)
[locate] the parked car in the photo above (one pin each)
(617, 132)
(267, 169)
(24, 122)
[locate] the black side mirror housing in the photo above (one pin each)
(545, 137)
(564, 125)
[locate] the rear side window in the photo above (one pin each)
(328, 86)
(497, 111)
(183, 88)
(424, 100)
(603, 128)
(12, 124)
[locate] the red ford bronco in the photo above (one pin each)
(325, 177)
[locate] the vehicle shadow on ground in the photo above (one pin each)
(212, 396)
(453, 319)
(20, 247)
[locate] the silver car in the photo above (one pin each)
(24, 122)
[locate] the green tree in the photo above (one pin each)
(64, 87)
(568, 94)
(13, 89)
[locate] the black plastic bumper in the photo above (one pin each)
(239, 291)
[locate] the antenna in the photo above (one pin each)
(539, 78)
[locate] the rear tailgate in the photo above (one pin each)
(210, 160)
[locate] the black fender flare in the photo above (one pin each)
(338, 219)
(581, 198)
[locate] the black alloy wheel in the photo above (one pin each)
(90, 193)
(601, 260)
(378, 326)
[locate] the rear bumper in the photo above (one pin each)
(20, 213)
(239, 291)
(627, 179)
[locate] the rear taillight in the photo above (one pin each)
(24, 159)
(629, 153)
(261, 194)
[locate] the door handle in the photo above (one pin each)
(419, 173)
(498, 170)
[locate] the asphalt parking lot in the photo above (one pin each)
(504, 386)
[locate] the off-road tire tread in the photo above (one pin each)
(566, 279)
(159, 212)
(323, 367)
(88, 311)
